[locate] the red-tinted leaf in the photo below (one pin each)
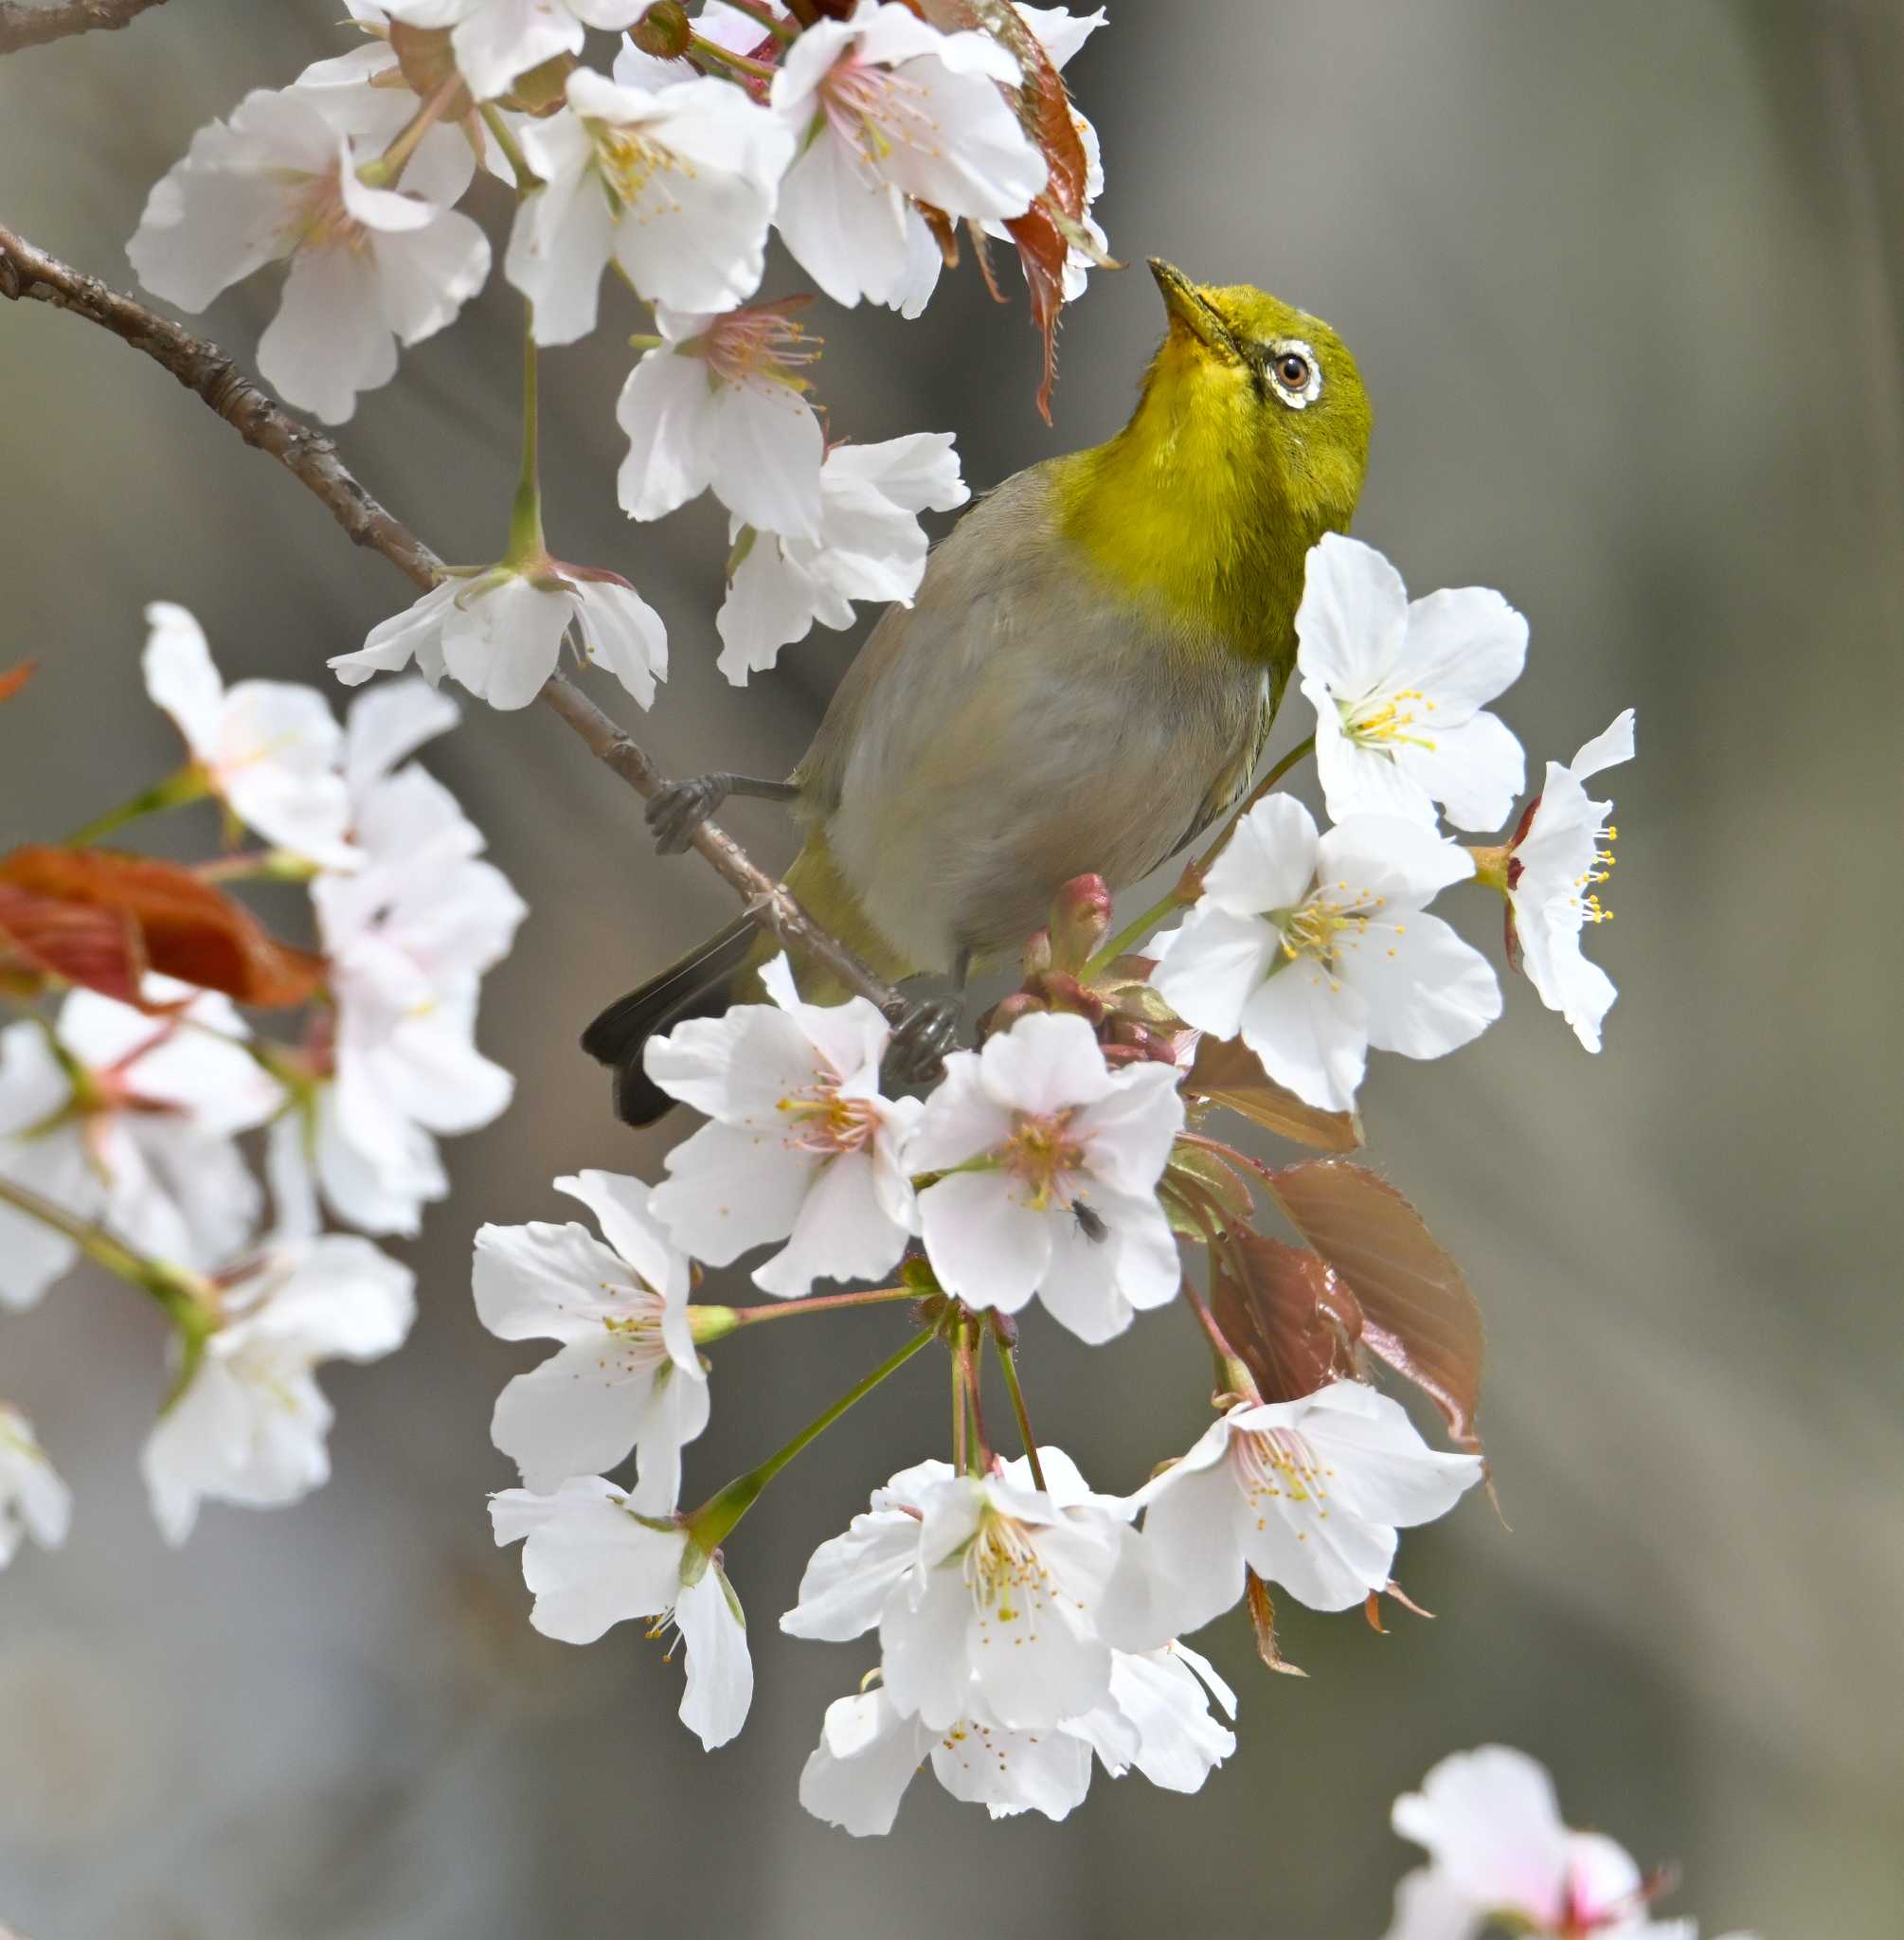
(1418, 1314)
(1216, 1189)
(1263, 1623)
(1228, 1072)
(1292, 1321)
(14, 678)
(1045, 112)
(184, 928)
(42, 937)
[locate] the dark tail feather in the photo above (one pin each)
(700, 986)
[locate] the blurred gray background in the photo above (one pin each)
(1624, 280)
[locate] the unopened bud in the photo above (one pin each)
(1061, 991)
(1152, 1045)
(1007, 1012)
(663, 32)
(1036, 959)
(1081, 916)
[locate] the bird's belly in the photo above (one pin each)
(958, 833)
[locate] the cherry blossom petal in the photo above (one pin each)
(720, 1670)
(1426, 991)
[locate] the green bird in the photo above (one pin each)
(1084, 685)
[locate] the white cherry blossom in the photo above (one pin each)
(268, 750)
(33, 1500)
(1317, 950)
(249, 1425)
(497, 40)
(869, 1750)
(720, 402)
(1500, 1854)
(371, 266)
(1051, 1163)
(1399, 690)
(128, 1118)
(498, 632)
(887, 108)
(1308, 1493)
(408, 939)
(802, 1147)
(984, 1589)
(870, 546)
(626, 1375)
(1552, 864)
(595, 1555)
(676, 184)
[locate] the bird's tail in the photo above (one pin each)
(720, 972)
(700, 986)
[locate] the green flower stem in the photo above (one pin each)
(979, 1445)
(763, 12)
(713, 1521)
(387, 171)
(1008, 1359)
(1232, 1373)
(526, 543)
(187, 1300)
(961, 1415)
(257, 864)
(526, 180)
(706, 50)
(191, 784)
(714, 1323)
(1189, 884)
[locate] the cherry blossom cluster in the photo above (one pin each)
(130, 1124)
(863, 142)
(1500, 1858)
(1027, 1625)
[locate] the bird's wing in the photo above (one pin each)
(1227, 789)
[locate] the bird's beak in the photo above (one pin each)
(1190, 308)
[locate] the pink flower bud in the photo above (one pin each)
(1081, 916)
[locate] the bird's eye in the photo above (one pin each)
(1294, 373)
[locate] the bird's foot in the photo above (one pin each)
(676, 809)
(921, 1040)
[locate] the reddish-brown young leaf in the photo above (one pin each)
(1218, 1190)
(1418, 1313)
(186, 927)
(1044, 111)
(1263, 1623)
(14, 678)
(1228, 1072)
(1292, 1320)
(43, 938)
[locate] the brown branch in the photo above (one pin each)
(29, 274)
(22, 26)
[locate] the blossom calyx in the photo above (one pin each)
(427, 62)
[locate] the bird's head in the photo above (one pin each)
(1247, 386)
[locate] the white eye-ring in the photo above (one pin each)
(1294, 374)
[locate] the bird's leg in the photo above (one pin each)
(676, 809)
(926, 1033)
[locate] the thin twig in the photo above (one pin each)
(33, 26)
(27, 273)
